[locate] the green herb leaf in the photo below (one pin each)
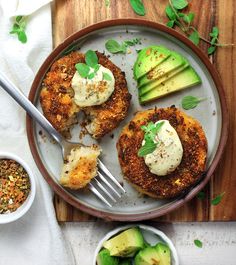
(189, 18)
(132, 42)
(83, 69)
(91, 58)
(194, 37)
(170, 13)
(211, 50)
(114, 47)
(170, 23)
(198, 243)
(91, 75)
(201, 195)
(190, 102)
(18, 28)
(22, 36)
(107, 3)
(213, 40)
(217, 199)
(179, 4)
(106, 76)
(146, 149)
(138, 7)
(215, 32)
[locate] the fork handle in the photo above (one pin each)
(26, 104)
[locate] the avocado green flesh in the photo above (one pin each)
(171, 63)
(146, 88)
(184, 79)
(125, 244)
(164, 254)
(104, 258)
(148, 59)
(147, 256)
(125, 262)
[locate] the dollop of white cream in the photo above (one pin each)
(95, 91)
(168, 153)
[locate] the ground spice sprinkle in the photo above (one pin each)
(14, 185)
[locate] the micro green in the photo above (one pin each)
(217, 199)
(107, 3)
(150, 145)
(114, 46)
(19, 27)
(190, 102)
(184, 22)
(106, 76)
(198, 243)
(90, 67)
(138, 7)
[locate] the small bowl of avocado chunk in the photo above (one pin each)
(135, 245)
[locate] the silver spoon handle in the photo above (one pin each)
(23, 101)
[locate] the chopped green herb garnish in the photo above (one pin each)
(19, 27)
(149, 137)
(107, 3)
(217, 199)
(190, 102)
(198, 243)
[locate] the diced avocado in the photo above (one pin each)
(148, 87)
(164, 254)
(149, 58)
(125, 262)
(171, 63)
(147, 256)
(185, 79)
(125, 244)
(104, 258)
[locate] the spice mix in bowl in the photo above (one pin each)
(17, 187)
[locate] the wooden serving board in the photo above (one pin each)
(70, 16)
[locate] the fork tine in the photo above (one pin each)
(108, 173)
(108, 184)
(104, 190)
(98, 194)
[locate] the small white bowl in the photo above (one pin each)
(10, 217)
(150, 234)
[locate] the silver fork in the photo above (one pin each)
(104, 185)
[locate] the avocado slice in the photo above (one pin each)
(104, 258)
(171, 63)
(146, 88)
(147, 256)
(126, 244)
(125, 262)
(164, 254)
(149, 58)
(184, 79)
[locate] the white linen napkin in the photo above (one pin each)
(36, 238)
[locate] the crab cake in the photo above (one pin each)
(189, 171)
(59, 107)
(80, 167)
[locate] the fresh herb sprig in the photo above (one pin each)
(90, 67)
(114, 46)
(184, 22)
(149, 137)
(19, 27)
(190, 102)
(138, 7)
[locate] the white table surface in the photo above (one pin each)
(219, 241)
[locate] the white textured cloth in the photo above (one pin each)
(36, 238)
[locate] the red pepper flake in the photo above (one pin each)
(14, 185)
(148, 51)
